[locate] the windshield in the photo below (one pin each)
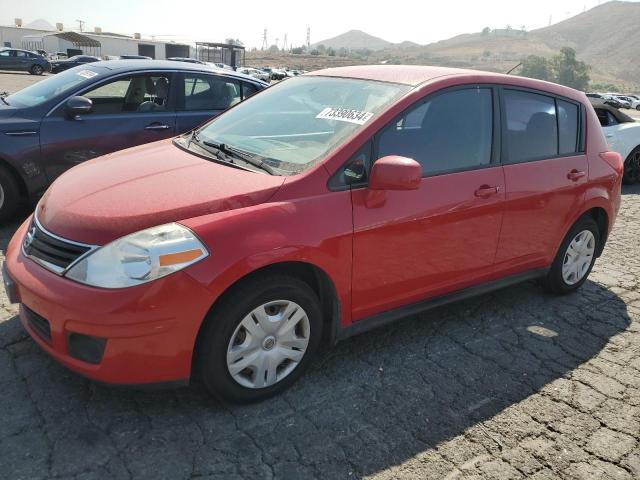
(51, 87)
(294, 124)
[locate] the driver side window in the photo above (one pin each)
(139, 93)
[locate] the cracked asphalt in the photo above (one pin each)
(509, 385)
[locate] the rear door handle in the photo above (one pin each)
(157, 126)
(575, 175)
(485, 191)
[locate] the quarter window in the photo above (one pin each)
(531, 127)
(209, 92)
(567, 127)
(449, 132)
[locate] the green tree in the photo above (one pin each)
(569, 70)
(563, 68)
(486, 31)
(322, 49)
(537, 67)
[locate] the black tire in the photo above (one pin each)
(36, 70)
(638, 107)
(632, 168)
(220, 325)
(554, 282)
(9, 195)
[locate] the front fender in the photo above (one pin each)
(315, 230)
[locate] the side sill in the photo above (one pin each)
(387, 317)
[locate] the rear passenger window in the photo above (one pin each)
(451, 131)
(531, 128)
(567, 127)
(210, 92)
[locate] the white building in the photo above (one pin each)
(97, 43)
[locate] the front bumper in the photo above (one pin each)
(149, 331)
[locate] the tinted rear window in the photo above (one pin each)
(531, 129)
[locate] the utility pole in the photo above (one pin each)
(308, 39)
(81, 24)
(284, 44)
(264, 40)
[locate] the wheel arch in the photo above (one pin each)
(601, 217)
(22, 186)
(317, 279)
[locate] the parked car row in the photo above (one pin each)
(96, 108)
(325, 206)
(617, 100)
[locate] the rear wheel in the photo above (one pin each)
(36, 70)
(632, 168)
(260, 340)
(9, 194)
(575, 258)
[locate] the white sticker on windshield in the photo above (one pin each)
(345, 115)
(86, 73)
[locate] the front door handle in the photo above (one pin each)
(485, 191)
(157, 126)
(575, 175)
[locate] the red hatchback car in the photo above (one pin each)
(322, 207)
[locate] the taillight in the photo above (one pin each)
(615, 160)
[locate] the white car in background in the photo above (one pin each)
(254, 72)
(623, 136)
(633, 102)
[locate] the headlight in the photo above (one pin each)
(140, 257)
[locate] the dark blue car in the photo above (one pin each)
(98, 108)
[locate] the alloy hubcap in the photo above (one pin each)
(578, 257)
(268, 344)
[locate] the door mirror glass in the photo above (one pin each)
(395, 173)
(78, 106)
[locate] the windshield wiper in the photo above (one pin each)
(239, 154)
(4, 100)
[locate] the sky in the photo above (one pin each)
(420, 21)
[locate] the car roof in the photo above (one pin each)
(415, 75)
(141, 65)
(617, 114)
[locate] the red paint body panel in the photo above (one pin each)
(540, 202)
(149, 329)
(109, 197)
(417, 244)
(380, 249)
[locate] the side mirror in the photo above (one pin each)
(395, 173)
(77, 106)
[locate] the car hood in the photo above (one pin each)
(111, 196)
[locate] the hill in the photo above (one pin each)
(605, 37)
(355, 40)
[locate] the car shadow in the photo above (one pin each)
(371, 402)
(631, 189)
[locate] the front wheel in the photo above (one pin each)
(260, 340)
(632, 167)
(575, 258)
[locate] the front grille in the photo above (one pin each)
(51, 251)
(38, 324)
